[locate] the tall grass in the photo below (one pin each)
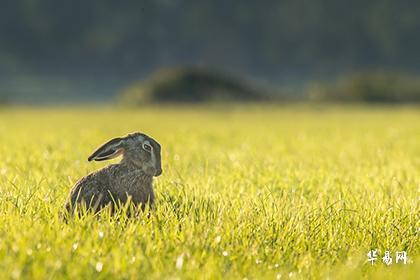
(268, 192)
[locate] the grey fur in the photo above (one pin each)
(132, 178)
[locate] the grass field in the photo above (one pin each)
(272, 192)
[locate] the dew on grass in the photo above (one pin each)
(180, 261)
(99, 266)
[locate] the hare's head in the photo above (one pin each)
(137, 149)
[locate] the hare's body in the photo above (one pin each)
(113, 184)
(131, 179)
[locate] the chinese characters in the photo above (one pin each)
(400, 257)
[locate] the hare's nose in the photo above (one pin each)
(158, 171)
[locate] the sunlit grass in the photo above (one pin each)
(255, 192)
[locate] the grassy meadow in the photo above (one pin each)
(247, 192)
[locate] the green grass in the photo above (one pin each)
(247, 192)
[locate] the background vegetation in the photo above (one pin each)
(372, 87)
(54, 51)
(190, 85)
(264, 37)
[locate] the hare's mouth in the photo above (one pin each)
(158, 172)
(152, 171)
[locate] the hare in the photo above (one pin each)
(129, 180)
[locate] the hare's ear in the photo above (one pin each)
(109, 150)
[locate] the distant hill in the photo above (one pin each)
(190, 85)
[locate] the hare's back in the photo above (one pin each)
(90, 190)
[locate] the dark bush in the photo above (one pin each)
(189, 85)
(379, 87)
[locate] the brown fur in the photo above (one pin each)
(131, 179)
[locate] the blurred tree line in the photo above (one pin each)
(368, 86)
(268, 38)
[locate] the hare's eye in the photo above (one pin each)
(147, 147)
